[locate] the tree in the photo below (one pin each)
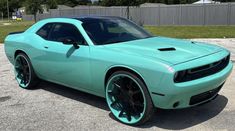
(14, 5)
(84, 2)
(34, 7)
(51, 4)
(70, 3)
(99, 2)
(3, 7)
(109, 3)
(129, 3)
(126, 3)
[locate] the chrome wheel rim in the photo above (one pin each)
(22, 71)
(125, 99)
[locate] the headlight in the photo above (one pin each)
(179, 75)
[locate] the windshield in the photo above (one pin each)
(113, 30)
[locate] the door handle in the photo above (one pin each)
(46, 47)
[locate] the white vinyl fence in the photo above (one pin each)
(191, 14)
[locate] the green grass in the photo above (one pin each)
(13, 27)
(185, 32)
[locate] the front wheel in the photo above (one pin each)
(24, 72)
(128, 98)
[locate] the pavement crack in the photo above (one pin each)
(5, 70)
(4, 98)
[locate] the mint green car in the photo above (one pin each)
(114, 58)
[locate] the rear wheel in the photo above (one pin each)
(128, 98)
(24, 72)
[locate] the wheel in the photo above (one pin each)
(128, 98)
(24, 72)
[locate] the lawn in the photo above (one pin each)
(185, 32)
(13, 27)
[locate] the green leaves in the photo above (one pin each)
(34, 7)
(73, 3)
(122, 2)
(13, 6)
(51, 4)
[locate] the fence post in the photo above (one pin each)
(229, 14)
(74, 14)
(140, 16)
(180, 15)
(50, 12)
(159, 15)
(89, 13)
(204, 14)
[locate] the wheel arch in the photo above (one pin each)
(23, 52)
(18, 52)
(113, 69)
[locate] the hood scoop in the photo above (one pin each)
(167, 49)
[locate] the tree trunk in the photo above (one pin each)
(128, 12)
(35, 17)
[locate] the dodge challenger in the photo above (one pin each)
(114, 58)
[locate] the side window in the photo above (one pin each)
(114, 28)
(62, 31)
(45, 30)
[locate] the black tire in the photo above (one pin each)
(149, 108)
(33, 80)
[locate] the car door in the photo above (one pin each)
(66, 64)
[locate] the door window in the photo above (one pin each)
(44, 31)
(62, 31)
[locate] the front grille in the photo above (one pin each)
(202, 71)
(204, 96)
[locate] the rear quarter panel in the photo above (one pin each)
(12, 43)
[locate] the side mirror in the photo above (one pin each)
(68, 41)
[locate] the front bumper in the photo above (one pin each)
(170, 95)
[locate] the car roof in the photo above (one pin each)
(82, 19)
(92, 18)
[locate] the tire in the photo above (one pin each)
(24, 72)
(128, 98)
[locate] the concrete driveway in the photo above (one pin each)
(226, 43)
(55, 107)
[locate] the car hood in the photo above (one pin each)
(173, 51)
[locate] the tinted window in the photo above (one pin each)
(113, 30)
(45, 30)
(62, 31)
